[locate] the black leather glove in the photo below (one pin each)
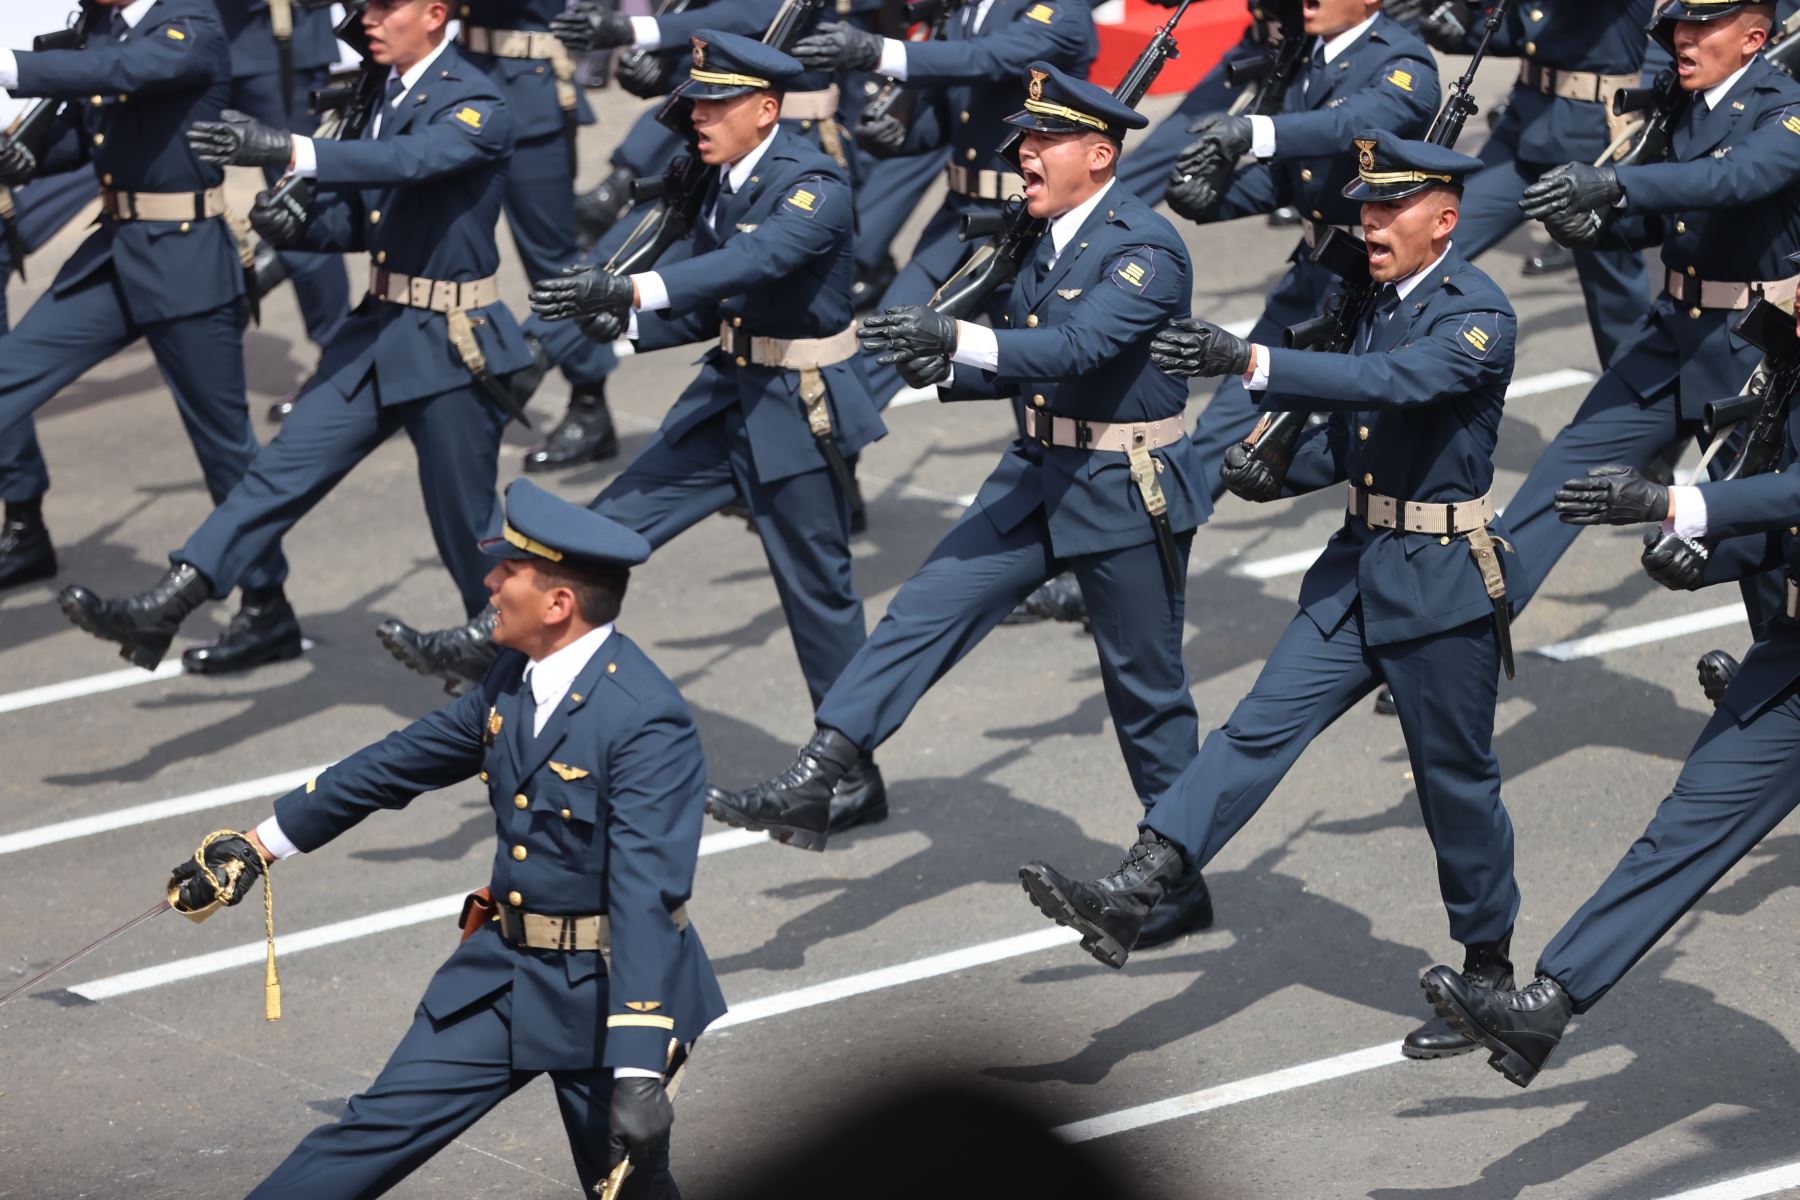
(1190, 347)
(640, 1119)
(1676, 563)
(1612, 495)
(590, 27)
(581, 292)
(605, 327)
(197, 890)
(1229, 135)
(1572, 187)
(643, 74)
(927, 370)
(1446, 27)
(1246, 478)
(17, 163)
(1191, 192)
(908, 331)
(836, 46)
(884, 137)
(1576, 229)
(240, 140)
(279, 216)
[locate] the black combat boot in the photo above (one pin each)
(1521, 1028)
(1717, 670)
(1056, 599)
(522, 384)
(584, 435)
(459, 655)
(26, 554)
(598, 210)
(1384, 702)
(143, 624)
(1662, 464)
(1485, 964)
(1109, 913)
(860, 797)
(283, 408)
(1187, 908)
(263, 630)
(866, 291)
(795, 806)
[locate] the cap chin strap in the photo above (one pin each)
(1044, 108)
(728, 79)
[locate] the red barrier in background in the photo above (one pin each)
(1210, 28)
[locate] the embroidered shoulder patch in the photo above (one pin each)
(469, 115)
(805, 201)
(1041, 12)
(1401, 79)
(1135, 270)
(1478, 334)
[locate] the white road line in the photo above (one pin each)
(443, 907)
(1549, 381)
(1226, 1094)
(156, 810)
(93, 685)
(1745, 1187)
(1638, 635)
(1281, 564)
(896, 976)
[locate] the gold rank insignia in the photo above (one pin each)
(1401, 79)
(175, 34)
(469, 117)
(1791, 123)
(643, 1005)
(1133, 273)
(1036, 88)
(1365, 153)
(567, 773)
(1040, 12)
(1478, 338)
(700, 54)
(803, 200)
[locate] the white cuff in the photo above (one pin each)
(9, 70)
(893, 59)
(1690, 513)
(1262, 137)
(274, 841)
(976, 346)
(306, 160)
(1259, 373)
(635, 1073)
(631, 329)
(645, 35)
(653, 293)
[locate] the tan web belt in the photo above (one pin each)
(983, 185)
(810, 106)
(1573, 85)
(1313, 232)
(163, 206)
(438, 295)
(791, 354)
(1409, 516)
(1122, 437)
(527, 43)
(1701, 294)
(540, 931)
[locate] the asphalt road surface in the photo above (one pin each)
(1257, 1059)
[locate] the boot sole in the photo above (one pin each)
(281, 653)
(787, 835)
(601, 454)
(1501, 1057)
(1427, 1055)
(874, 816)
(32, 575)
(137, 653)
(1049, 901)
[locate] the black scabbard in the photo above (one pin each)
(15, 244)
(500, 394)
(1503, 632)
(284, 58)
(1167, 551)
(840, 471)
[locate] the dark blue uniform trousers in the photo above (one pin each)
(887, 192)
(320, 283)
(1737, 785)
(201, 358)
(1613, 425)
(803, 520)
(1233, 411)
(440, 1080)
(972, 579)
(456, 435)
(1614, 284)
(1145, 167)
(1445, 687)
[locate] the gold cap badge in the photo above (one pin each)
(1036, 88)
(700, 53)
(1365, 153)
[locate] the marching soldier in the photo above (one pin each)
(1736, 786)
(162, 263)
(1104, 481)
(1726, 210)
(277, 95)
(1409, 591)
(1574, 57)
(780, 403)
(578, 958)
(420, 192)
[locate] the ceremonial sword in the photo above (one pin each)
(162, 906)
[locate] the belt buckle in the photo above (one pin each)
(1084, 435)
(1046, 429)
(512, 924)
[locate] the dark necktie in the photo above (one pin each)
(395, 89)
(1315, 70)
(1383, 311)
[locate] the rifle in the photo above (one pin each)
(1272, 442)
(32, 127)
(1664, 103)
(1783, 50)
(926, 21)
(994, 265)
(1265, 80)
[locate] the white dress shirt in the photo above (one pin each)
(131, 14)
(306, 161)
(976, 345)
(893, 50)
(1262, 129)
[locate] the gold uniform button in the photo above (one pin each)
(1362, 433)
(1031, 321)
(107, 179)
(96, 101)
(1690, 272)
(971, 154)
(1694, 312)
(566, 814)
(1305, 174)
(521, 800)
(737, 322)
(1794, 530)
(381, 256)
(1317, 215)
(807, 124)
(575, 697)
(1530, 49)
(484, 777)
(1444, 541)
(1368, 480)
(519, 853)
(99, 139)
(1038, 400)
(375, 217)
(965, 116)
(612, 668)
(1681, 227)
(514, 899)
(185, 227)
(742, 361)
(1537, 14)
(123, 97)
